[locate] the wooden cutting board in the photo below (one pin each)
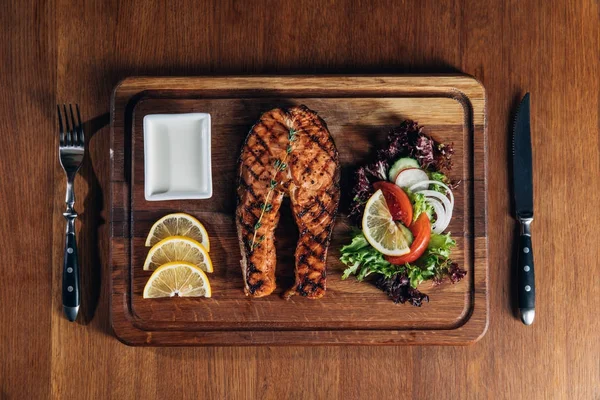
(359, 111)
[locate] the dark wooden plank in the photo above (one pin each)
(451, 108)
(28, 166)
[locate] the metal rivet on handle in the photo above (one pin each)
(69, 270)
(70, 250)
(526, 250)
(526, 268)
(70, 288)
(527, 288)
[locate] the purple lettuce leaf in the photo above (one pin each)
(399, 289)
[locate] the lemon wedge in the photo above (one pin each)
(178, 248)
(178, 278)
(387, 236)
(178, 224)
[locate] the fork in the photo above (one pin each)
(71, 151)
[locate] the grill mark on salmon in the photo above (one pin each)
(311, 180)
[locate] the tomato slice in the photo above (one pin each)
(397, 201)
(421, 231)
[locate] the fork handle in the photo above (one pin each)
(70, 278)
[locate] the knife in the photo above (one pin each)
(523, 191)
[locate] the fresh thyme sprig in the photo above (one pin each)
(280, 165)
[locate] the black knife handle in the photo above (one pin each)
(70, 278)
(526, 276)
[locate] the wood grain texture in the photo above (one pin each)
(27, 196)
(359, 111)
(62, 50)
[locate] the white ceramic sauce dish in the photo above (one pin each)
(177, 156)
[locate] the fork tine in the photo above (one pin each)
(61, 135)
(74, 132)
(81, 136)
(68, 141)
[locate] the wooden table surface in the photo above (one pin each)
(61, 50)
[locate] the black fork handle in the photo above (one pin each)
(70, 278)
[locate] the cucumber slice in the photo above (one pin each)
(406, 232)
(400, 165)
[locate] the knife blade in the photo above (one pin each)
(523, 192)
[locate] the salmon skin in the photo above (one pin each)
(287, 152)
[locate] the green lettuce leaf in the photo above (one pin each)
(438, 176)
(434, 263)
(362, 260)
(441, 244)
(420, 205)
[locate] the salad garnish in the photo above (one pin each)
(403, 203)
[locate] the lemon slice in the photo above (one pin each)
(178, 248)
(381, 231)
(178, 278)
(179, 224)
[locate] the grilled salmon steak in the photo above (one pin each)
(287, 152)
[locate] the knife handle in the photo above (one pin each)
(526, 276)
